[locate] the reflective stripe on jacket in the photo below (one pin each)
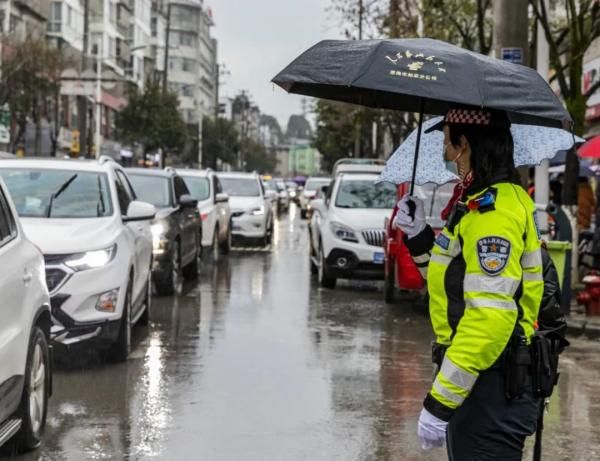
(483, 279)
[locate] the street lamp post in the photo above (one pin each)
(99, 53)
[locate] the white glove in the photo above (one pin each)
(431, 431)
(405, 222)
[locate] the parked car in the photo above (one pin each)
(270, 187)
(401, 272)
(283, 195)
(251, 211)
(214, 209)
(309, 193)
(97, 246)
(176, 230)
(26, 371)
(346, 229)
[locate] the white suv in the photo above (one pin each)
(251, 210)
(97, 245)
(347, 228)
(213, 205)
(25, 358)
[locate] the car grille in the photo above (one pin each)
(374, 237)
(237, 214)
(54, 277)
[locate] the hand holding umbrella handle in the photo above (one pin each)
(412, 208)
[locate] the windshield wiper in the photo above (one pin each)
(59, 191)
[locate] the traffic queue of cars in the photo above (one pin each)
(83, 247)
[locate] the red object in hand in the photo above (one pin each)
(590, 298)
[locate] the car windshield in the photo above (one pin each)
(364, 193)
(199, 187)
(316, 184)
(280, 186)
(151, 189)
(240, 187)
(49, 193)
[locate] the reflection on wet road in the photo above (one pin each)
(257, 363)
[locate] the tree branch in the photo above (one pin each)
(591, 90)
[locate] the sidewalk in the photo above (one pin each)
(578, 324)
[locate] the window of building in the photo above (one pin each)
(54, 24)
(188, 65)
(154, 26)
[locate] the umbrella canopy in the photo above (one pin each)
(590, 149)
(421, 75)
(585, 169)
(432, 169)
(532, 145)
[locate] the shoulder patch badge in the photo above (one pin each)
(442, 241)
(493, 253)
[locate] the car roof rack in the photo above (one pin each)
(358, 165)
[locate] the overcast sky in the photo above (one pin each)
(257, 38)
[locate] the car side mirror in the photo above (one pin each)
(324, 190)
(187, 201)
(221, 197)
(318, 205)
(140, 211)
(271, 194)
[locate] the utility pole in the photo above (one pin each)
(166, 62)
(357, 120)
(82, 102)
(542, 186)
(511, 39)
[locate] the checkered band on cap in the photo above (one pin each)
(468, 117)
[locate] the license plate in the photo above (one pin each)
(378, 257)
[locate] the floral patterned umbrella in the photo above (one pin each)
(532, 145)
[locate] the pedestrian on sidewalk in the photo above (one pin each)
(485, 283)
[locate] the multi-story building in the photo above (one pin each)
(158, 32)
(21, 19)
(192, 66)
(591, 75)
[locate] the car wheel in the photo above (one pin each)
(190, 272)
(269, 234)
(145, 317)
(172, 284)
(325, 279)
(122, 346)
(215, 249)
(389, 288)
(34, 402)
(226, 245)
(314, 269)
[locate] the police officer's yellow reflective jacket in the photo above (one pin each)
(485, 281)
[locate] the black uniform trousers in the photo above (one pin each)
(489, 427)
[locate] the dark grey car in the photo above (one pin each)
(176, 230)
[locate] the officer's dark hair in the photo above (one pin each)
(492, 150)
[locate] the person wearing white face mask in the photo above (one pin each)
(485, 284)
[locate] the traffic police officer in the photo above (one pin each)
(485, 283)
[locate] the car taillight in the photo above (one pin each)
(203, 216)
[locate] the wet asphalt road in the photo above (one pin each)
(254, 362)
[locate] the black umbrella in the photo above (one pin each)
(421, 75)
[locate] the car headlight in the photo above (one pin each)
(258, 211)
(91, 259)
(159, 232)
(343, 232)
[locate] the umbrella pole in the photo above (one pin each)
(414, 173)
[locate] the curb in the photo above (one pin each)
(577, 327)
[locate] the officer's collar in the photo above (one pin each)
(477, 188)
